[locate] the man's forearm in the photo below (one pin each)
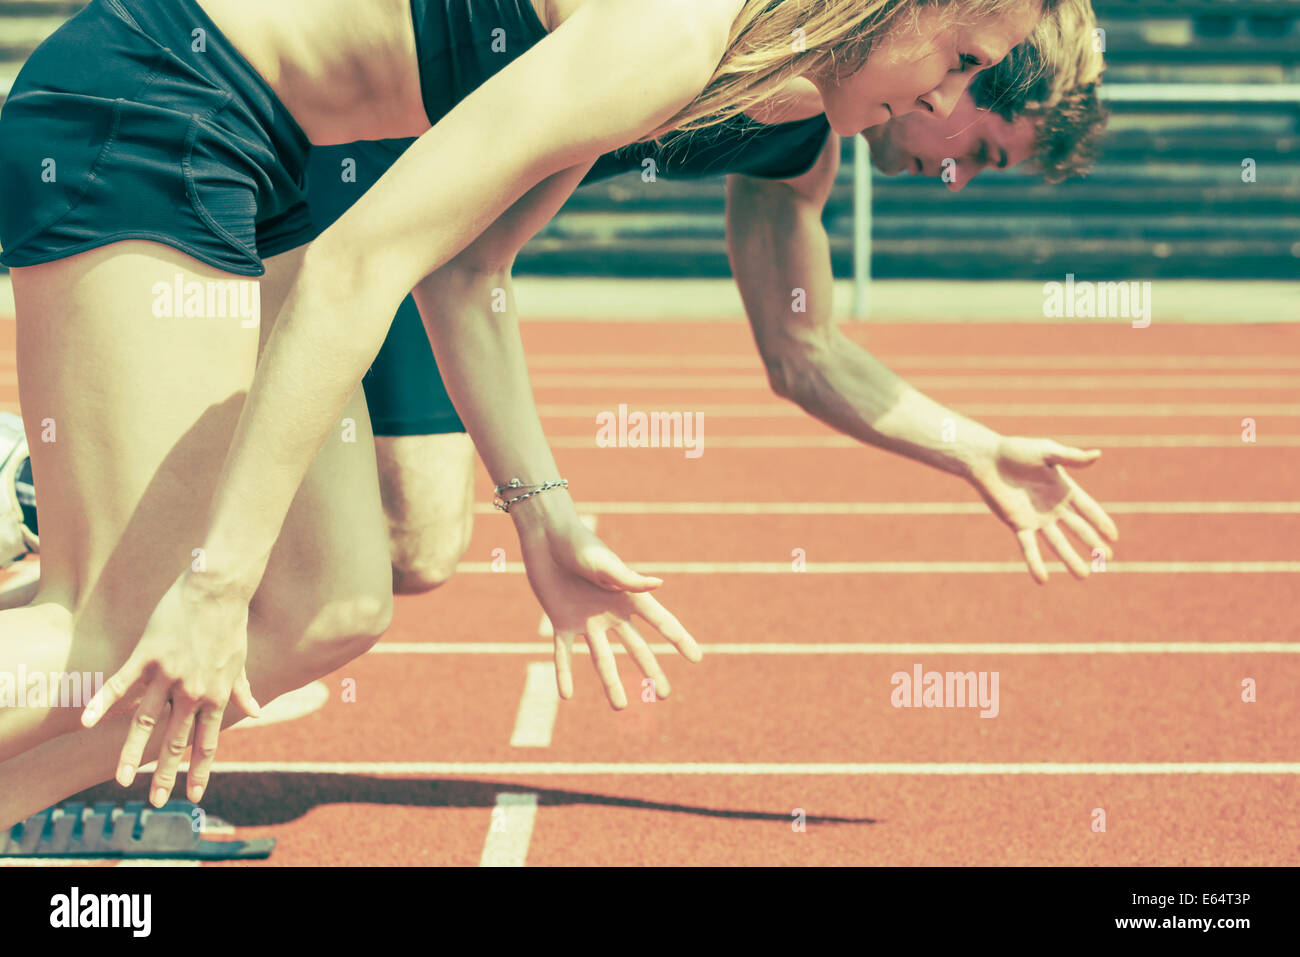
(781, 259)
(851, 390)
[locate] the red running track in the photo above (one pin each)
(1120, 695)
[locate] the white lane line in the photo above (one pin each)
(538, 707)
(909, 508)
(510, 832)
(751, 410)
(544, 627)
(924, 568)
(1228, 440)
(872, 648)
(1100, 362)
(998, 383)
(459, 768)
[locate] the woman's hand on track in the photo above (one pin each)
(191, 657)
(1026, 485)
(585, 589)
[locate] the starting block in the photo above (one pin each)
(136, 830)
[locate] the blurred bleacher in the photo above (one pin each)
(1167, 199)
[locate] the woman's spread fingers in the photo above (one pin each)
(174, 744)
(1061, 545)
(151, 710)
(645, 659)
(602, 656)
(114, 690)
(1089, 508)
(564, 665)
(1033, 558)
(1086, 533)
(206, 732)
(663, 621)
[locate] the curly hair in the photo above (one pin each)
(1054, 77)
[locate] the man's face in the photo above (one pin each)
(972, 138)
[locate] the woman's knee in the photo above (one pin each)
(349, 627)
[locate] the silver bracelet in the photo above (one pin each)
(503, 504)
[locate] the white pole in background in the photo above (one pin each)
(861, 228)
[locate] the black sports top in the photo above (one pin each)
(461, 43)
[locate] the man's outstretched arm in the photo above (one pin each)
(780, 256)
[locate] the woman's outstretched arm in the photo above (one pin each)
(607, 75)
(468, 308)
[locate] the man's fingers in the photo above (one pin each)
(204, 752)
(564, 665)
(1088, 507)
(602, 657)
(1087, 534)
(174, 744)
(648, 607)
(150, 711)
(645, 658)
(1061, 545)
(1029, 546)
(114, 690)
(1074, 458)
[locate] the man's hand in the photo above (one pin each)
(1026, 485)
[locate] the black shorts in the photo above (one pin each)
(403, 387)
(137, 119)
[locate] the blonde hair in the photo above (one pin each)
(774, 41)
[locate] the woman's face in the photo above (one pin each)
(923, 64)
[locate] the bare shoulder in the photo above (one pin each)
(707, 20)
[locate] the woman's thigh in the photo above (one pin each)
(132, 375)
(131, 378)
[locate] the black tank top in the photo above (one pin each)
(462, 43)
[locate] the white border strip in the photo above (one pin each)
(472, 768)
(1197, 93)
